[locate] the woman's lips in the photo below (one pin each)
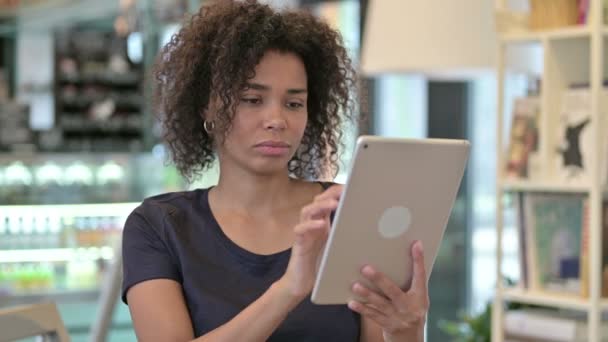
(272, 148)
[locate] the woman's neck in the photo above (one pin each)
(249, 193)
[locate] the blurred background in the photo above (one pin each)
(79, 146)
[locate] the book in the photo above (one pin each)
(605, 249)
(523, 248)
(550, 14)
(549, 325)
(553, 233)
(523, 138)
(583, 11)
(527, 261)
(574, 145)
(584, 261)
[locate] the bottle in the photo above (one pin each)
(40, 232)
(49, 180)
(14, 232)
(28, 240)
(116, 232)
(111, 179)
(79, 178)
(54, 229)
(4, 233)
(18, 181)
(86, 232)
(96, 231)
(68, 233)
(5, 288)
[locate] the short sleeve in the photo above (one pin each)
(145, 252)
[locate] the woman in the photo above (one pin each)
(262, 91)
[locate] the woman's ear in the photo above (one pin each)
(208, 113)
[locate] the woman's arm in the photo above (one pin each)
(159, 313)
(370, 331)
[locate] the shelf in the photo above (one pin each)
(48, 14)
(75, 210)
(556, 301)
(130, 78)
(556, 34)
(535, 186)
(55, 254)
(567, 33)
(520, 37)
(128, 124)
(80, 295)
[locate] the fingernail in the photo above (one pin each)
(368, 271)
(419, 247)
(352, 305)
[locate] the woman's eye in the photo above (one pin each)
(294, 105)
(251, 100)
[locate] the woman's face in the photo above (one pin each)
(270, 117)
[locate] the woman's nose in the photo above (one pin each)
(275, 119)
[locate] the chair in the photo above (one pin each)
(32, 320)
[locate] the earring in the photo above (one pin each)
(209, 126)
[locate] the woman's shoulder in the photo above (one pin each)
(160, 206)
(177, 198)
(164, 214)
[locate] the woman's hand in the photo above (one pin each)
(401, 314)
(310, 237)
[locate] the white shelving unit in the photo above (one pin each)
(569, 55)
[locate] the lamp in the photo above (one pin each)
(433, 37)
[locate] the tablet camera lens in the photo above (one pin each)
(365, 146)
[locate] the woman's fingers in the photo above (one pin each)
(308, 226)
(369, 297)
(335, 192)
(318, 209)
(383, 283)
(419, 278)
(370, 312)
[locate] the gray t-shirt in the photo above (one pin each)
(175, 236)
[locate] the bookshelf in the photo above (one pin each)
(561, 58)
(542, 186)
(538, 36)
(556, 301)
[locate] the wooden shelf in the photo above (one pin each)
(557, 34)
(55, 254)
(76, 210)
(521, 37)
(550, 300)
(536, 186)
(568, 33)
(76, 295)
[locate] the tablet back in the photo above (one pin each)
(398, 191)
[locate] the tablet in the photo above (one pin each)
(398, 191)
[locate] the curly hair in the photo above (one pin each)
(215, 54)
